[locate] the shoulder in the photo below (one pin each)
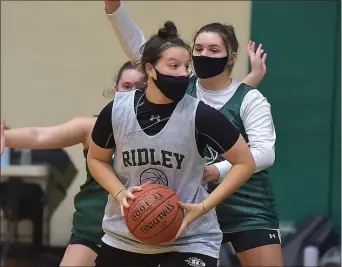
(254, 95)
(206, 112)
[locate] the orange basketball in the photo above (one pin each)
(154, 217)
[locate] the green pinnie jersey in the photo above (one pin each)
(90, 204)
(252, 206)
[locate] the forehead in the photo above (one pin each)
(176, 53)
(209, 38)
(129, 75)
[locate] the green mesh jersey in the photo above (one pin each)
(252, 206)
(90, 204)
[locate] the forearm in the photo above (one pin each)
(236, 177)
(253, 79)
(22, 138)
(129, 35)
(105, 176)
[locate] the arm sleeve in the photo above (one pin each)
(258, 123)
(214, 129)
(102, 134)
(129, 35)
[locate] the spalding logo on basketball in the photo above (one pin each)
(154, 217)
(153, 175)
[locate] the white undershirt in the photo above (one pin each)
(216, 98)
(255, 110)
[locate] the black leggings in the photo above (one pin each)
(113, 257)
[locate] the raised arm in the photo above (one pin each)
(71, 133)
(130, 37)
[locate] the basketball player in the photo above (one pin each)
(248, 219)
(165, 129)
(92, 198)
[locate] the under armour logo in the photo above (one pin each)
(272, 235)
(153, 117)
(195, 262)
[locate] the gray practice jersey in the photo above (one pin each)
(171, 158)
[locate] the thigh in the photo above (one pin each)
(76, 240)
(246, 240)
(113, 257)
(78, 255)
(186, 260)
(260, 247)
(264, 256)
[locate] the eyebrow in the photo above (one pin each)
(172, 58)
(212, 45)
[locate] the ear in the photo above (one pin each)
(232, 59)
(150, 71)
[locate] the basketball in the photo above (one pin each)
(154, 217)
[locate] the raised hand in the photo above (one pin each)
(257, 59)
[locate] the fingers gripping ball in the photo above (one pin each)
(154, 216)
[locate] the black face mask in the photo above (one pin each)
(208, 67)
(173, 87)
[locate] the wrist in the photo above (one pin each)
(205, 208)
(111, 7)
(118, 193)
(256, 74)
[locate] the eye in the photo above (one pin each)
(197, 49)
(214, 51)
(174, 66)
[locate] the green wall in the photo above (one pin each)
(302, 84)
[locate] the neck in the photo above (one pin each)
(155, 96)
(216, 83)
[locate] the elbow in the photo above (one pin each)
(271, 159)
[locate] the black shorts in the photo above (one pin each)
(245, 240)
(113, 257)
(76, 240)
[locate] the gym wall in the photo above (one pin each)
(58, 56)
(303, 84)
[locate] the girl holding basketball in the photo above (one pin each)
(90, 202)
(164, 129)
(249, 217)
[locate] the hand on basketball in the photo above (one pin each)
(2, 137)
(192, 213)
(257, 59)
(126, 194)
(210, 174)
